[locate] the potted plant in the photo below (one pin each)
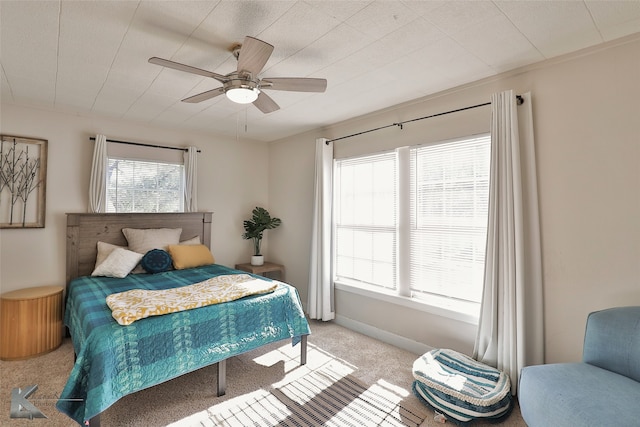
(255, 227)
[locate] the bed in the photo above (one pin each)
(114, 360)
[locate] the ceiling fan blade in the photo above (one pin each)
(265, 103)
(204, 95)
(187, 68)
(296, 84)
(253, 55)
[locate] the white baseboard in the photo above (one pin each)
(384, 336)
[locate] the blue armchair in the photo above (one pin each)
(602, 390)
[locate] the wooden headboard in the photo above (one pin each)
(84, 230)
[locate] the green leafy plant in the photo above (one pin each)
(255, 227)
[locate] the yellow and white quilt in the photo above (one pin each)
(127, 307)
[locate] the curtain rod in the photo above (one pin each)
(141, 144)
(519, 101)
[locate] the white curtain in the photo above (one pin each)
(191, 180)
(320, 305)
(98, 180)
(510, 332)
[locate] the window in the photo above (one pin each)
(144, 186)
(441, 192)
(449, 199)
(365, 230)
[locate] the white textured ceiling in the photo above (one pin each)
(90, 57)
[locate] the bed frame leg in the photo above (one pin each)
(303, 350)
(222, 377)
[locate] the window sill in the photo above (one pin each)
(441, 306)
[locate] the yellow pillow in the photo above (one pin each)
(188, 256)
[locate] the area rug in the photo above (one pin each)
(322, 397)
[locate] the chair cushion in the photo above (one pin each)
(577, 394)
(461, 387)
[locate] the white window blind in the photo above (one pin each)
(365, 220)
(414, 221)
(448, 216)
(144, 186)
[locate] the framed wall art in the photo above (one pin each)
(23, 180)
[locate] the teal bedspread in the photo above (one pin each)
(114, 360)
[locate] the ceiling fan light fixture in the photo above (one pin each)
(243, 95)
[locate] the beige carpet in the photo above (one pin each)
(327, 396)
(269, 371)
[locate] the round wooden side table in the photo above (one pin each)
(30, 322)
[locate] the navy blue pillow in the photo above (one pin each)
(156, 261)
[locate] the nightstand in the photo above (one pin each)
(263, 270)
(30, 322)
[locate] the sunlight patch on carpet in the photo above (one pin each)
(257, 408)
(328, 396)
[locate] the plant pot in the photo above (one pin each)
(257, 260)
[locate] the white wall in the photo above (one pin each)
(232, 179)
(586, 109)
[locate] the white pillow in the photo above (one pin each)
(191, 241)
(118, 264)
(104, 249)
(142, 240)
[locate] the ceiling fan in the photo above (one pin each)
(243, 85)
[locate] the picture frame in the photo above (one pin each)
(23, 181)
